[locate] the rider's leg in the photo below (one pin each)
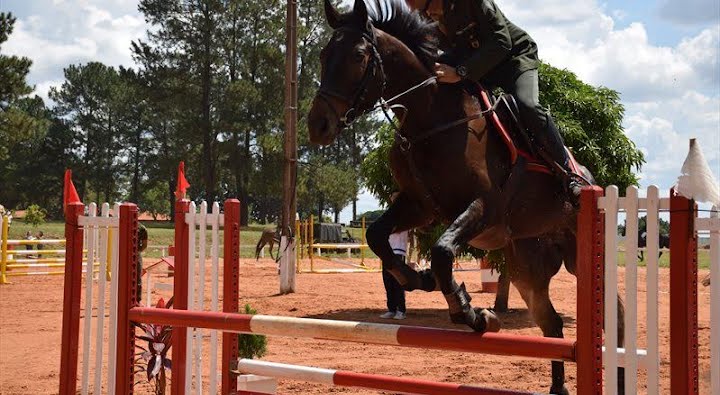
(539, 122)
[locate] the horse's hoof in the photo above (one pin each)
(559, 391)
(492, 323)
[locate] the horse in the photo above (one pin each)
(450, 164)
(663, 242)
(268, 237)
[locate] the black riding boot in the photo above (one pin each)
(553, 149)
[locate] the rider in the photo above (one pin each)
(484, 46)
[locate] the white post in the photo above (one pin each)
(190, 220)
(100, 321)
(200, 297)
(287, 265)
(610, 360)
(114, 270)
(631, 259)
(87, 328)
(653, 235)
(215, 253)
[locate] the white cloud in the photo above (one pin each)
(671, 93)
(662, 131)
(56, 33)
(622, 59)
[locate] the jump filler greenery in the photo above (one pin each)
(153, 358)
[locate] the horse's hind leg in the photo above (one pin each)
(531, 264)
(403, 214)
(466, 226)
(551, 324)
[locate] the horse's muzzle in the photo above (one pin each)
(322, 123)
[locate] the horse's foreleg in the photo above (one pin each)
(464, 228)
(403, 214)
(271, 244)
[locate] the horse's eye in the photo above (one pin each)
(359, 56)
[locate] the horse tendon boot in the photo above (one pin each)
(411, 280)
(461, 312)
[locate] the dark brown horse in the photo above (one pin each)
(449, 164)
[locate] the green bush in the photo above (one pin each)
(252, 346)
(34, 215)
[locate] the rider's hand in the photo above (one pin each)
(446, 74)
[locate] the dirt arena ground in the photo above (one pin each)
(31, 317)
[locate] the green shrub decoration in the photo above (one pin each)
(35, 215)
(252, 346)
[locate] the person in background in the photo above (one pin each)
(29, 236)
(40, 236)
(394, 292)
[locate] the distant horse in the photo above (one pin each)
(663, 242)
(268, 237)
(450, 165)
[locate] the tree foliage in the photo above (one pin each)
(590, 120)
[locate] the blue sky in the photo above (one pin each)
(662, 56)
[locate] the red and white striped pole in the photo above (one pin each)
(363, 332)
(363, 380)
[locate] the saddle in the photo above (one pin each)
(504, 115)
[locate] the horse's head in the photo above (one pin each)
(351, 75)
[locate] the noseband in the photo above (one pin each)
(374, 66)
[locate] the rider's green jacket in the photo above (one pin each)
(481, 38)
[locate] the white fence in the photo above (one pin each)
(631, 207)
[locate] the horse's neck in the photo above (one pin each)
(403, 71)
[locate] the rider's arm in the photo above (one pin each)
(495, 42)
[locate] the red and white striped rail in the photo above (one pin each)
(364, 332)
(362, 380)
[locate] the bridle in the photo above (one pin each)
(374, 67)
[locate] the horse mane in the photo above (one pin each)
(397, 19)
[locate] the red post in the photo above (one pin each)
(590, 292)
(71, 299)
(683, 297)
(231, 291)
(180, 301)
(127, 297)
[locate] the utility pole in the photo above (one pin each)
(287, 240)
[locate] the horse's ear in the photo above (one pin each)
(331, 14)
(360, 12)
